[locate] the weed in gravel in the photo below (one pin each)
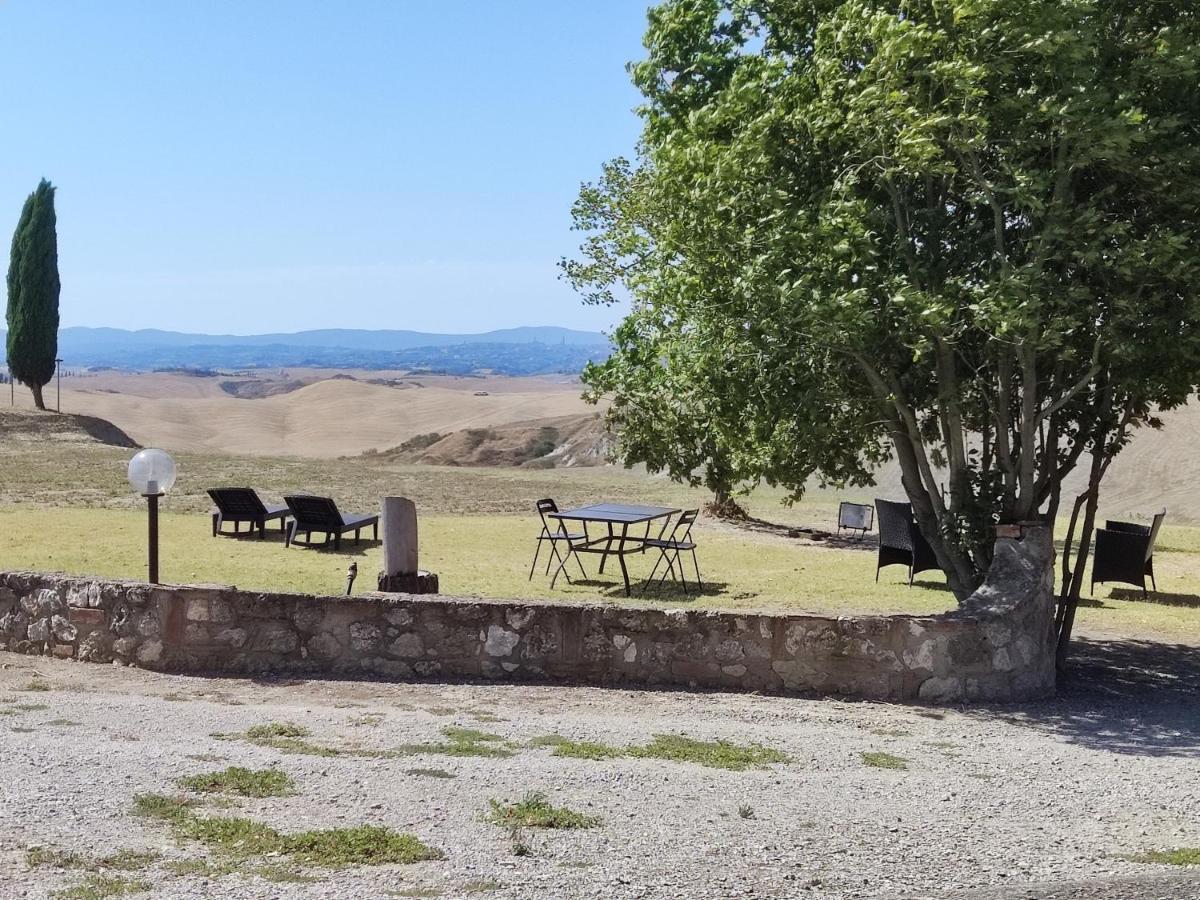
(673, 747)
(714, 754)
(59, 859)
(36, 684)
(369, 845)
(1180, 856)
(485, 716)
(482, 886)
(240, 837)
(203, 868)
(548, 740)
(461, 742)
(880, 760)
(440, 710)
(286, 737)
(7, 711)
(745, 810)
(368, 720)
(21, 729)
(430, 773)
(245, 782)
(98, 887)
(176, 697)
(207, 757)
(535, 811)
(582, 749)
(62, 723)
(232, 835)
(122, 860)
(470, 735)
(162, 807)
(415, 892)
(31, 707)
(284, 875)
(890, 732)
(128, 860)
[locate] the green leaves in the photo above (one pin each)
(33, 289)
(967, 223)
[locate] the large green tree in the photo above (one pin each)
(33, 289)
(963, 232)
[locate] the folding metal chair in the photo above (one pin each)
(554, 534)
(670, 550)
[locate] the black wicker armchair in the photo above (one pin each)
(1125, 553)
(900, 541)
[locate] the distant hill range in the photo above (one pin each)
(510, 351)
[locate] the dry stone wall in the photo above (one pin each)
(998, 646)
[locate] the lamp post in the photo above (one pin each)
(152, 474)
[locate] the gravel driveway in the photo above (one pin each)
(1046, 801)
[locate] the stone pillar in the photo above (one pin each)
(400, 572)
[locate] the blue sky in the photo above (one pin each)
(275, 166)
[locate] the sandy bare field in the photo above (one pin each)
(320, 413)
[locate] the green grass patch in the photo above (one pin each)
(287, 738)
(673, 747)
(487, 717)
(201, 868)
(715, 754)
(231, 835)
(98, 887)
(586, 750)
(470, 735)
(162, 807)
(430, 773)
(66, 495)
(1180, 856)
(239, 838)
(38, 857)
(364, 845)
(535, 811)
(243, 782)
(482, 886)
(461, 742)
(881, 760)
(284, 875)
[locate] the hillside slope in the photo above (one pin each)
(559, 442)
(330, 417)
(27, 426)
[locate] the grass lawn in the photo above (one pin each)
(490, 556)
(67, 507)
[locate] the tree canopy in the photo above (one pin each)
(963, 232)
(33, 290)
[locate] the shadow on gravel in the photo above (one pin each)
(1136, 697)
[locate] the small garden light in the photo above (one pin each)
(152, 474)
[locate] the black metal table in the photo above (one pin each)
(612, 515)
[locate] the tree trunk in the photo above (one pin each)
(37, 396)
(960, 572)
(1091, 499)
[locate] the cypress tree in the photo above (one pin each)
(33, 289)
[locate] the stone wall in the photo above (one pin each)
(998, 646)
